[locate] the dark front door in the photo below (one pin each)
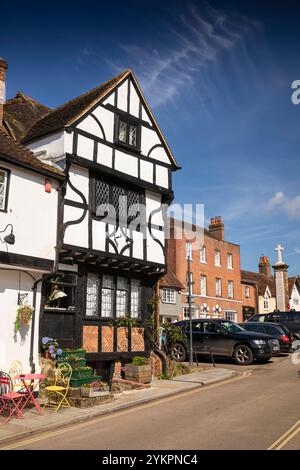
(60, 326)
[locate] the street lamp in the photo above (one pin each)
(10, 238)
(190, 308)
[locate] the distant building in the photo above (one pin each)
(215, 272)
(170, 297)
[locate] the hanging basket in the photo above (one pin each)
(24, 315)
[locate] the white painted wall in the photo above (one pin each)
(295, 299)
(122, 95)
(76, 234)
(32, 212)
(104, 155)
(16, 346)
(134, 101)
(126, 163)
(106, 118)
(162, 177)
(79, 177)
(54, 144)
(85, 147)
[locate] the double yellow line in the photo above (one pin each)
(286, 437)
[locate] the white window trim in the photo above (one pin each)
(230, 283)
(203, 277)
(219, 265)
(219, 282)
(203, 249)
(189, 251)
(5, 192)
(172, 297)
(230, 256)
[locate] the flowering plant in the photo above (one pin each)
(51, 347)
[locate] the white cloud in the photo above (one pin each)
(290, 205)
(195, 45)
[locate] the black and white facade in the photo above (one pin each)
(111, 247)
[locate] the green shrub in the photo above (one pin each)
(139, 361)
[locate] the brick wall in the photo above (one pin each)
(178, 263)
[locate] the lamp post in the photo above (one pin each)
(190, 309)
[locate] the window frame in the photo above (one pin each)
(218, 253)
(7, 173)
(189, 251)
(230, 283)
(247, 293)
(164, 298)
(202, 258)
(130, 121)
(229, 313)
(229, 264)
(203, 277)
(218, 281)
(114, 290)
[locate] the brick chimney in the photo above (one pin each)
(3, 68)
(264, 266)
(216, 227)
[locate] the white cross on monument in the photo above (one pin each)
(279, 248)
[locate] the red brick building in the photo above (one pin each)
(215, 271)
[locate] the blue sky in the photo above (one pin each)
(217, 76)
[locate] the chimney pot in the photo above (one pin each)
(216, 227)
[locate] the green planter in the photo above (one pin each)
(81, 374)
(73, 352)
(78, 382)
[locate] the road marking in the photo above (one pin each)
(125, 412)
(286, 437)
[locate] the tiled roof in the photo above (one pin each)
(14, 152)
(170, 280)
(67, 113)
(261, 280)
(20, 113)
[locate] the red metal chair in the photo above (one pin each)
(9, 400)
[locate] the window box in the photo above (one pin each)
(82, 373)
(142, 374)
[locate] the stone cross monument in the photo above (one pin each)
(281, 281)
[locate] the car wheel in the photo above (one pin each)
(295, 336)
(243, 355)
(178, 352)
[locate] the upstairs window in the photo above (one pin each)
(203, 254)
(168, 296)
(4, 179)
(230, 289)
(217, 258)
(218, 287)
(188, 251)
(127, 133)
(247, 292)
(229, 261)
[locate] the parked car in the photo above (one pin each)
(276, 330)
(227, 339)
(290, 320)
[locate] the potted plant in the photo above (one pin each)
(139, 370)
(51, 348)
(79, 372)
(94, 389)
(24, 315)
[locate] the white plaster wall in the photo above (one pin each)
(149, 138)
(32, 212)
(272, 305)
(54, 144)
(134, 101)
(153, 202)
(159, 154)
(162, 178)
(98, 228)
(104, 155)
(295, 299)
(90, 125)
(107, 121)
(154, 250)
(138, 246)
(122, 96)
(110, 99)
(14, 346)
(126, 163)
(85, 147)
(76, 234)
(79, 177)
(146, 169)
(145, 116)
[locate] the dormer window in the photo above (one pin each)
(127, 132)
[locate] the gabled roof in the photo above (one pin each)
(20, 113)
(170, 280)
(68, 113)
(292, 281)
(260, 280)
(14, 152)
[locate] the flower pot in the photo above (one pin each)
(142, 374)
(81, 374)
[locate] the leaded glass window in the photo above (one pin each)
(3, 185)
(107, 296)
(122, 131)
(121, 297)
(127, 132)
(119, 202)
(92, 295)
(132, 135)
(102, 197)
(135, 307)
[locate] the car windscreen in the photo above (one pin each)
(232, 327)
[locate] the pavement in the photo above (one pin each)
(35, 424)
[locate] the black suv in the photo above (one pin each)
(224, 338)
(290, 320)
